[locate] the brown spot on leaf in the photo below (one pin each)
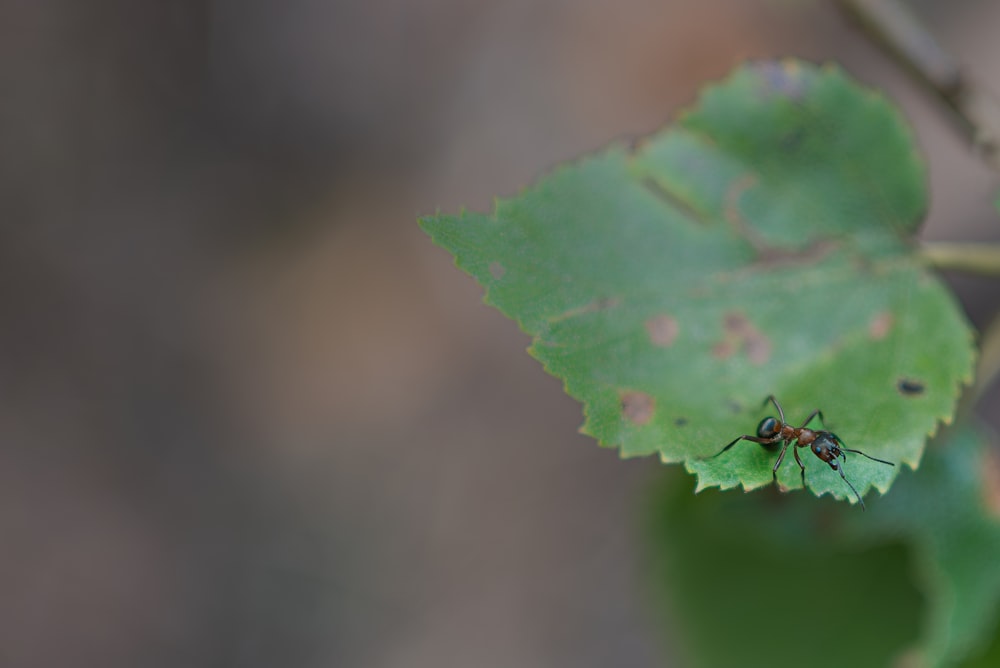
(736, 323)
(662, 330)
(741, 335)
(600, 304)
(910, 387)
(880, 325)
(757, 348)
(732, 212)
(497, 270)
(637, 407)
(769, 256)
(723, 350)
(990, 470)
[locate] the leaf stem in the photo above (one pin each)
(972, 258)
(891, 26)
(988, 367)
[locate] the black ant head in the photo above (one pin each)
(769, 427)
(827, 447)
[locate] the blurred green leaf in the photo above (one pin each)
(988, 658)
(950, 511)
(749, 582)
(836, 586)
(759, 245)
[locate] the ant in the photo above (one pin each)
(824, 444)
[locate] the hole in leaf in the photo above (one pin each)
(910, 387)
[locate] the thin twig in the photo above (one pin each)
(973, 258)
(891, 25)
(988, 367)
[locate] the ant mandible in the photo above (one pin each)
(824, 444)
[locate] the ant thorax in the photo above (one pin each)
(805, 436)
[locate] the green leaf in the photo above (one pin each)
(990, 657)
(950, 511)
(755, 583)
(787, 582)
(759, 245)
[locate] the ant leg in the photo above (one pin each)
(802, 468)
(811, 416)
(874, 459)
(781, 413)
(777, 464)
(744, 437)
(840, 469)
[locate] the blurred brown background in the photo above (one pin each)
(249, 415)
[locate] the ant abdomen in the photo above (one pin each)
(769, 427)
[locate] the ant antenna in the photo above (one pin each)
(874, 459)
(860, 500)
(840, 469)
